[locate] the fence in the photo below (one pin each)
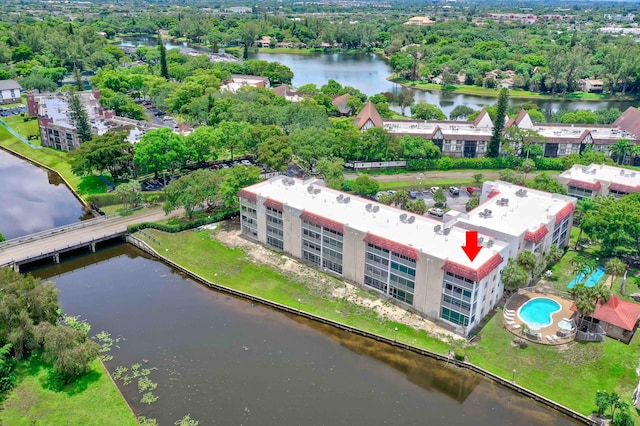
(376, 165)
(449, 360)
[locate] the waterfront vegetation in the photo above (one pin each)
(547, 370)
(32, 401)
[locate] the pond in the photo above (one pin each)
(33, 199)
(228, 361)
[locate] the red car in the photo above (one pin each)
(472, 189)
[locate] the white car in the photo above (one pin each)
(246, 162)
(434, 211)
(434, 189)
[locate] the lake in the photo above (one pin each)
(368, 73)
(228, 361)
(33, 199)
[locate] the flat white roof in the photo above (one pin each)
(385, 223)
(575, 130)
(595, 172)
(523, 212)
(447, 128)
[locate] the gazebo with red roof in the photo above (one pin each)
(618, 317)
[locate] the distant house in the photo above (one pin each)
(506, 83)
(288, 93)
(589, 85)
(340, 103)
(420, 21)
(265, 41)
(236, 81)
(10, 91)
(369, 117)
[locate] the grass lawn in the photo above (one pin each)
(92, 400)
(425, 183)
(570, 376)
(195, 249)
(25, 128)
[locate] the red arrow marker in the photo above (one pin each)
(472, 248)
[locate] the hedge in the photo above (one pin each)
(448, 163)
(212, 218)
(111, 199)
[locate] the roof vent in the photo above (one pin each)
(489, 244)
(368, 207)
(376, 209)
(346, 200)
(403, 217)
(411, 219)
(437, 228)
(310, 189)
(316, 191)
(480, 240)
(621, 172)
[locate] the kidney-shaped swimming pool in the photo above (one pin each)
(537, 312)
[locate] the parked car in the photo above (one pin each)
(413, 194)
(472, 189)
(434, 189)
(160, 113)
(434, 211)
(246, 163)
(454, 190)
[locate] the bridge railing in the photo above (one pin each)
(84, 224)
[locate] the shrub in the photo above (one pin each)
(212, 218)
(111, 198)
(459, 354)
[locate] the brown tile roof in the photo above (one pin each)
(480, 117)
(470, 273)
(284, 90)
(629, 121)
(393, 246)
(624, 188)
(322, 221)
(521, 116)
(369, 112)
(341, 103)
(618, 312)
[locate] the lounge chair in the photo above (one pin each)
(549, 338)
(511, 322)
(506, 315)
(515, 326)
(539, 336)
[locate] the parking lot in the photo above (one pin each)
(8, 112)
(454, 202)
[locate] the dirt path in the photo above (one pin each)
(436, 175)
(229, 234)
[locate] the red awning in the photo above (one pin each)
(470, 273)
(274, 204)
(537, 235)
(624, 188)
(564, 212)
(248, 195)
(493, 193)
(393, 246)
(322, 221)
(592, 186)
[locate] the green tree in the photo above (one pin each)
(615, 267)
(527, 167)
(554, 255)
(233, 135)
(365, 186)
(583, 207)
(129, 194)
(202, 144)
(107, 152)
(275, 152)
(514, 275)
(477, 178)
(417, 206)
(439, 197)
(309, 145)
(69, 350)
(460, 111)
(498, 124)
(522, 142)
(527, 261)
(38, 82)
(425, 111)
(419, 148)
(473, 202)
(620, 149)
(79, 117)
(198, 189)
(159, 150)
(164, 69)
(615, 224)
(26, 302)
(405, 98)
(332, 170)
(234, 179)
(2, 238)
(400, 199)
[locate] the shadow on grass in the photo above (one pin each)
(34, 366)
(91, 185)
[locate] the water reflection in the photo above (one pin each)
(227, 361)
(33, 199)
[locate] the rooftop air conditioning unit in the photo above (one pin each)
(411, 219)
(489, 244)
(403, 217)
(316, 191)
(446, 231)
(376, 209)
(346, 200)
(340, 197)
(437, 228)
(368, 207)
(310, 189)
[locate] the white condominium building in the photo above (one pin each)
(416, 260)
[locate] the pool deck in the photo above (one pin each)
(550, 335)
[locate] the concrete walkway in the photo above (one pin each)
(438, 175)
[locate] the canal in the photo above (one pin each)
(33, 199)
(368, 73)
(227, 361)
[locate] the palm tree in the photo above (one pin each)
(621, 148)
(583, 207)
(599, 293)
(586, 307)
(615, 267)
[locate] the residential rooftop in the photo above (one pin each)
(525, 209)
(600, 172)
(421, 233)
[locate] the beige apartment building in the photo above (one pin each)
(599, 179)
